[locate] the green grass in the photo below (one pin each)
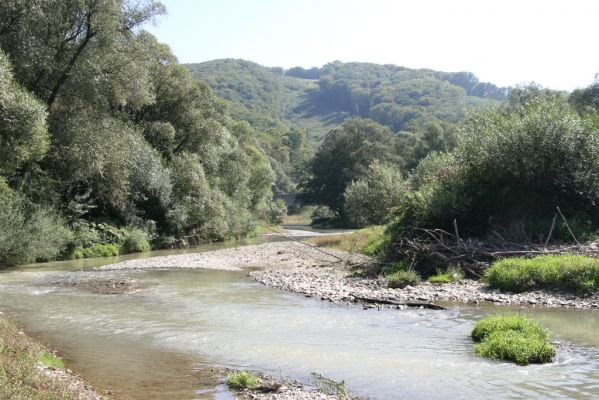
(560, 272)
(513, 338)
(401, 279)
(452, 274)
(51, 361)
(100, 250)
(243, 380)
(400, 275)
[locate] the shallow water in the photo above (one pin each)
(161, 341)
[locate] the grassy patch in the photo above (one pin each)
(20, 377)
(100, 250)
(561, 272)
(452, 274)
(136, 241)
(51, 361)
(512, 338)
(359, 241)
(243, 380)
(401, 279)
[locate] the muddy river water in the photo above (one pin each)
(161, 341)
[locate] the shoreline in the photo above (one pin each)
(27, 375)
(323, 274)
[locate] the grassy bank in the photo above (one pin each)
(28, 370)
(360, 241)
(513, 338)
(560, 272)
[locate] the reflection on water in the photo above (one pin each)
(160, 342)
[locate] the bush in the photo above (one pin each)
(29, 232)
(452, 274)
(100, 250)
(559, 272)
(512, 338)
(383, 186)
(135, 241)
(243, 380)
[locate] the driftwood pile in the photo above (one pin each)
(430, 249)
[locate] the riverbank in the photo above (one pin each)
(31, 371)
(325, 274)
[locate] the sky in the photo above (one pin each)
(506, 42)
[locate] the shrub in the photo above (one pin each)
(383, 186)
(512, 338)
(558, 272)
(401, 279)
(29, 232)
(100, 250)
(452, 274)
(135, 241)
(243, 380)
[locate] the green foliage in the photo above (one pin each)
(512, 338)
(100, 250)
(136, 241)
(508, 174)
(243, 380)
(344, 156)
(29, 232)
(452, 274)
(517, 347)
(51, 361)
(135, 140)
(382, 185)
(23, 131)
(559, 272)
(399, 276)
(507, 323)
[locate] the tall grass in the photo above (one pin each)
(356, 242)
(513, 338)
(558, 272)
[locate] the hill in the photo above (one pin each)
(318, 99)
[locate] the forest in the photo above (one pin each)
(109, 145)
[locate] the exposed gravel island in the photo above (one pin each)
(299, 268)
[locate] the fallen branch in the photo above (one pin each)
(369, 300)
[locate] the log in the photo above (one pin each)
(369, 300)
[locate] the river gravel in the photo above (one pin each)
(323, 274)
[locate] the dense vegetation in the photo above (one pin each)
(418, 106)
(513, 338)
(100, 124)
(563, 272)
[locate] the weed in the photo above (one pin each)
(452, 274)
(243, 380)
(51, 361)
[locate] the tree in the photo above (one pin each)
(23, 132)
(344, 156)
(371, 199)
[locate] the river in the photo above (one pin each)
(162, 341)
